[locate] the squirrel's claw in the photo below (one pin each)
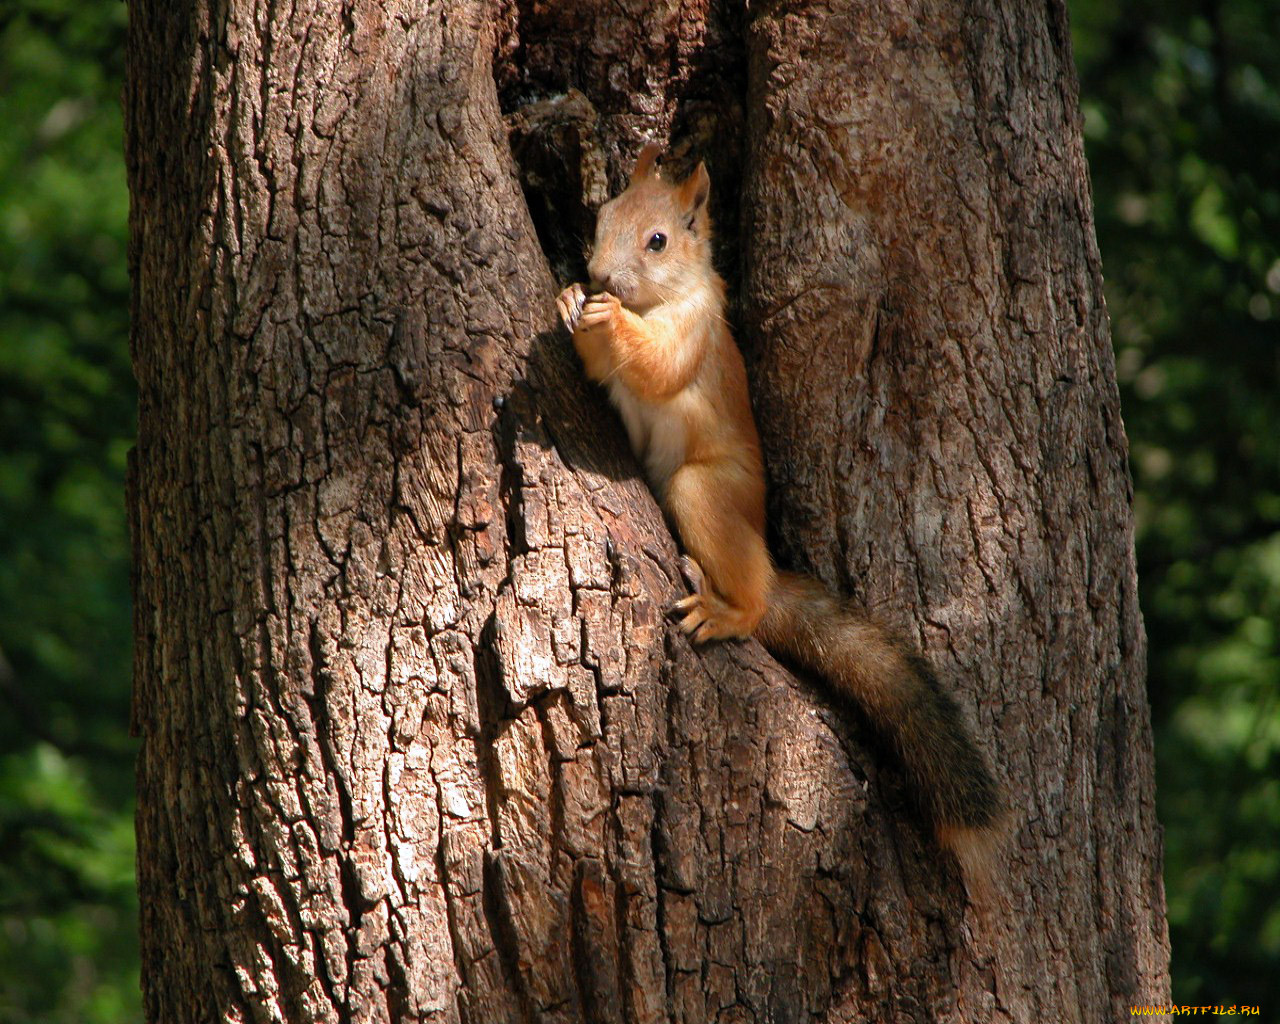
(693, 574)
(569, 305)
(684, 607)
(694, 617)
(695, 612)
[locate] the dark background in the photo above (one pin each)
(1182, 122)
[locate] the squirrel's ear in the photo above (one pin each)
(645, 162)
(695, 189)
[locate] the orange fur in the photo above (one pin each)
(654, 334)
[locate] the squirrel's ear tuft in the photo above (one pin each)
(645, 162)
(694, 190)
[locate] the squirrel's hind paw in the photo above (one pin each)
(705, 617)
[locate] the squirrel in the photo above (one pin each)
(652, 331)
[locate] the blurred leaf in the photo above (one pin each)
(68, 944)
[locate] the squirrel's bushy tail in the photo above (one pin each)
(899, 693)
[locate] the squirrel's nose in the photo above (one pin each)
(600, 278)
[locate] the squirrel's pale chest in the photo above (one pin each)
(658, 432)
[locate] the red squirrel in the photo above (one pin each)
(653, 333)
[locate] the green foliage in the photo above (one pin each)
(68, 946)
(1182, 117)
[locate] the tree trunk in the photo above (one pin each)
(417, 743)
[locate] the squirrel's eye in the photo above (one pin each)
(657, 242)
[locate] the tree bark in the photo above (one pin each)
(417, 743)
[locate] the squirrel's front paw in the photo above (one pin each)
(569, 305)
(599, 311)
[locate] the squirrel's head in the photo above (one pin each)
(654, 237)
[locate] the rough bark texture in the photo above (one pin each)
(417, 743)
